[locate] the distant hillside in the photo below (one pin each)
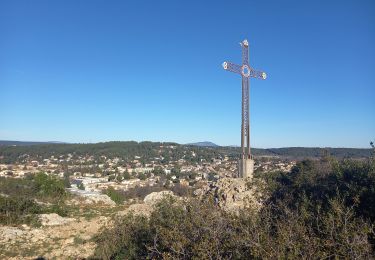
(11, 151)
(313, 152)
(316, 152)
(303, 152)
(23, 143)
(204, 144)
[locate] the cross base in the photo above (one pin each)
(245, 168)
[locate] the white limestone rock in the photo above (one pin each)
(53, 219)
(153, 198)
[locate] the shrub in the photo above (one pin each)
(314, 212)
(49, 186)
(81, 186)
(142, 176)
(126, 240)
(18, 206)
(321, 181)
(17, 187)
(115, 195)
(14, 211)
(199, 230)
(140, 192)
(58, 208)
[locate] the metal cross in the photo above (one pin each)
(246, 72)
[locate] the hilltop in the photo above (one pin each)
(73, 201)
(127, 150)
(204, 144)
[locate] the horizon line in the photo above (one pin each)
(190, 143)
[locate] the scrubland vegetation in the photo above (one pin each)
(22, 199)
(320, 209)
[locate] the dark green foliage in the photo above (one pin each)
(126, 241)
(199, 230)
(320, 210)
(321, 181)
(17, 187)
(176, 171)
(140, 192)
(67, 182)
(40, 186)
(150, 150)
(59, 208)
(119, 177)
(158, 171)
(125, 150)
(14, 211)
(304, 152)
(81, 186)
(49, 186)
(142, 176)
(18, 202)
(127, 175)
(115, 195)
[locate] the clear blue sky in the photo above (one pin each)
(90, 71)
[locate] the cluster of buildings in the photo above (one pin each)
(95, 173)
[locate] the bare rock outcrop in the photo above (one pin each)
(153, 198)
(54, 220)
(71, 240)
(148, 204)
(8, 234)
(100, 199)
(233, 194)
(85, 197)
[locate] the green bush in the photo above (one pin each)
(126, 241)
(319, 210)
(115, 195)
(17, 187)
(321, 181)
(199, 230)
(18, 205)
(81, 186)
(49, 186)
(14, 211)
(58, 208)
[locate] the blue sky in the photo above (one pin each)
(90, 71)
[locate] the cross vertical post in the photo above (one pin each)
(246, 163)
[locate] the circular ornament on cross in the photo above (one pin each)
(245, 71)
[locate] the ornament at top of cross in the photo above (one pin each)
(244, 70)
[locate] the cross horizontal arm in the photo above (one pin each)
(229, 66)
(257, 74)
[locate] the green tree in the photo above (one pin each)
(49, 186)
(115, 195)
(119, 177)
(81, 186)
(127, 175)
(142, 176)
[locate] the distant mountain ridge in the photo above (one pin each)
(204, 144)
(22, 143)
(122, 147)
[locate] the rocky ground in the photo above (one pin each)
(69, 237)
(232, 194)
(73, 237)
(57, 238)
